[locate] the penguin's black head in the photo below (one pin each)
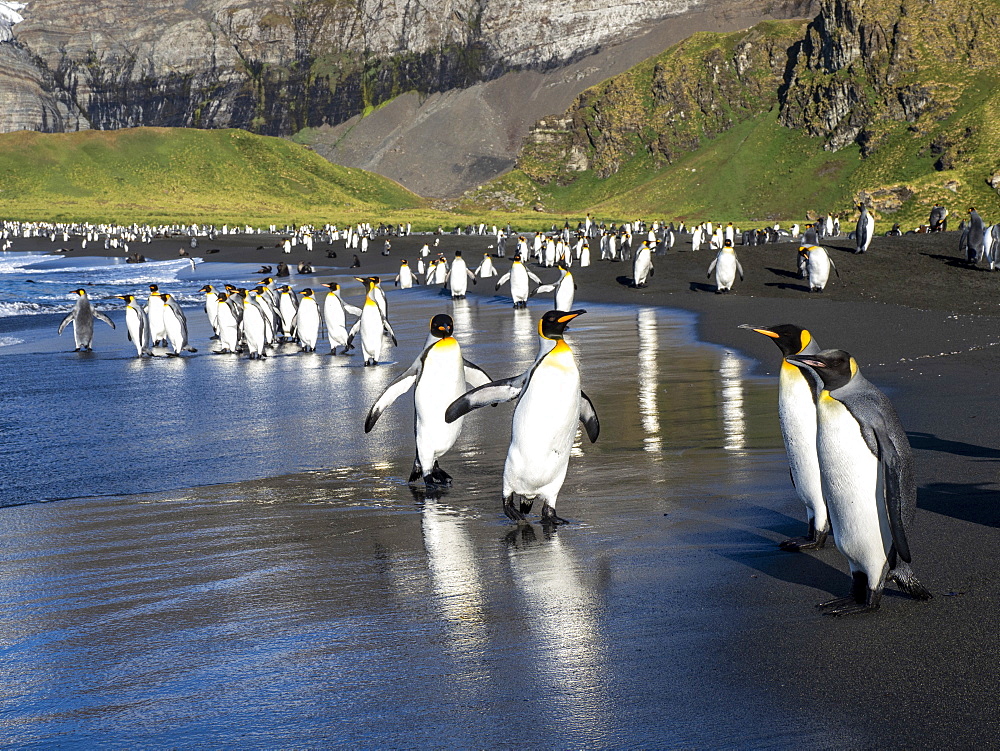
(153, 288)
(789, 338)
(332, 286)
(307, 292)
(442, 326)
(206, 288)
(223, 297)
(80, 291)
(458, 253)
(553, 324)
(835, 367)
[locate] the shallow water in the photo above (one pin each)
(258, 571)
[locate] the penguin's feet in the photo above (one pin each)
(846, 606)
(795, 544)
(549, 516)
(512, 513)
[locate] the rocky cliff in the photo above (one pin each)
(276, 68)
(863, 67)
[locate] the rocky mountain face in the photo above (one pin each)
(863, 66)
(277, 67)
(857, 73)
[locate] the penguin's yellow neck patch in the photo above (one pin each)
(561, 348)
(854, 367)
(805, 338)
(824, 395)
(448, 342)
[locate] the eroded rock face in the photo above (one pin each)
(864, 65)
(278, 67)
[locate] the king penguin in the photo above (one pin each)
(518, 277)
(563, 289)
(335, 312)
(797, 390)
(550, 402)
(818, 265)
(82, 317)
(154, 310)
(865, 230)
(370, 324)
(458, 277)
(642, 265)
(175, 324)
(438, 377)
(867, 475)
(726, 265)
(138, 326)
(307, 321)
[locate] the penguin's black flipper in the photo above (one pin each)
(392, 392)
(65, 321)
(494, 392)
(588, 416)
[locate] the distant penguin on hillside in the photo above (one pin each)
(939, 218)
(865, 230)
(438, 376)
(82, 317)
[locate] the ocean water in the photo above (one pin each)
(208, 551)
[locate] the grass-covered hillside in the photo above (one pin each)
(174, 174)
(780, 120)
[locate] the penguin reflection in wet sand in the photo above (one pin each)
(867, 474)
(797, 389)
(550, 402)
(82, 316)
(438, 376)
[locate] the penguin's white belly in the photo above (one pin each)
(852, 487)
(725, 271)
(442, 381)
(135, 329)
(640, 270)
(308, 323)
(254, 329)
(287, 312)
(174, 329)
(797, 416)
(228, 329)
(519, 285)
(565, 294)
(371, 333)
(458, 281)
(544, 426)
(405, 279)
(818, 268)
(156, 329)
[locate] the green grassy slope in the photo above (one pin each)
(160, 175)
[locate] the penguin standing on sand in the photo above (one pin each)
(550, 402)
(370, 324)
(642, 265)
(518, 277)
(939, 218)
(288, 306)
(867, 474)
(975, 231)
(564, 289)
(211, 308)
(307, 321)
(175, 324)
(138, 326)
(438, 377)
(726, 265)
(486, 269)
(404, 279)
(459, 276)
(817, 267)
(865, 230)
(82, 317)
(335, 312)
(797, 389)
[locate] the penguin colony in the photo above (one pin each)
(849, 459)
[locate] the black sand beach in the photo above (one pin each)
(923, 327)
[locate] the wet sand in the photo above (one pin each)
(922, 327)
